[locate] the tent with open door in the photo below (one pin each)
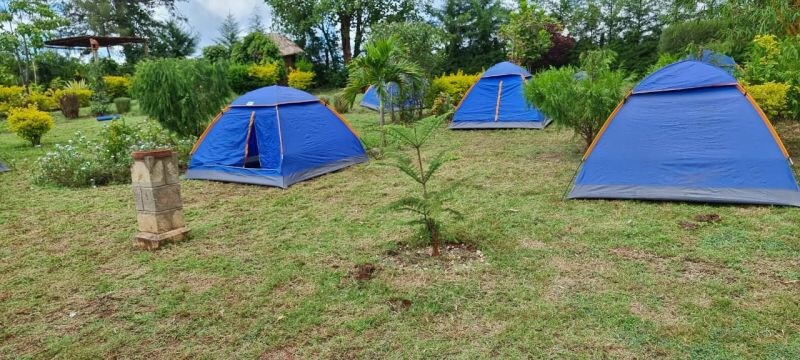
(496, 101)
(372, 102)
(688, 132)
(275, 136)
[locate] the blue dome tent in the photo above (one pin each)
(496, 101)
(274, 136)
(721, 61)
(688, 132)
(372, 102)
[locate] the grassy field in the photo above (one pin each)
(271, 273)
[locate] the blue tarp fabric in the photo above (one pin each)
(275, 136)
(372, 102)
(700, 142)
(496, 101)
(3, 167)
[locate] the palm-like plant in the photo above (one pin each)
(383, 62)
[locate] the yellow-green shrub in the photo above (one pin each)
(11, 97)
(43, 101)
(117, 86)
(302, 80)
(265, 74)
(772, 97)
(454, 85)
(84, 95)
(29, 123)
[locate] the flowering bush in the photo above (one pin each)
(454, 85)
(29, 123)
(117, 86)
(11, 97)
(302, 80)
(772, 97)
(105, 160)
(265, 74)
(83, 95)
(441, 104)
(44, 101)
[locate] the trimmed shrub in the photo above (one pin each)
(454, 85)
(43, 101)
(117, 86)
(340, 104)
(302, 80)
(238, 79)
(70, 105)
(773, 98)
(11, 97)
(123, 104)
(29, 123)
(84, 95)
(265, 74)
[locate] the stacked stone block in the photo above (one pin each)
(157, 193)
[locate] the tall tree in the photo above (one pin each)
(355, 17)
(422, 42)
(473, 26)
(24, 26)
(228, 32)
(118, 17)
(173, 41)
(256, 23)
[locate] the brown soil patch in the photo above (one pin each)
(364, 272)
(708, 218)
(281, 353)
(453, 256)
(399, 304)
(688, 225)
(663, 316)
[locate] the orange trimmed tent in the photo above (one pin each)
(275, 136)
(688, 132)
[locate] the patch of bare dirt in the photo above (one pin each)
(364, 272)
(691, 270)
(708, 218)
(533, 244)
(453, 256)
(281, 353)
(399, 304)
(664, 316)
(688, 225)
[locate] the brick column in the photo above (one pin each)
(157, 192)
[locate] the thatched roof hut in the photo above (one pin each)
(287, 48)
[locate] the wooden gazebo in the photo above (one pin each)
(94, 42)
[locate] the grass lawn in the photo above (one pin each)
(269, 273)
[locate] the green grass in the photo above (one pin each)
(268, 272)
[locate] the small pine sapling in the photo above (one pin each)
(428, 205)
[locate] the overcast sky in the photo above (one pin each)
(205, 16)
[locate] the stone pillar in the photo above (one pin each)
(157, 192)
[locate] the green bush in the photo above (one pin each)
(773, 99)
(774, 60)
(255, 48)
(11, 97)
(675, 38)
(239, 79)
(215, 53)
(117, 86)
(454, 85)
(44, 101)
(303, 65)
(123, 104)
(581, 105)
(29, 123)
(302, 80)
(183, 95)
(441, 104)
(107, 160)
(340, 104)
